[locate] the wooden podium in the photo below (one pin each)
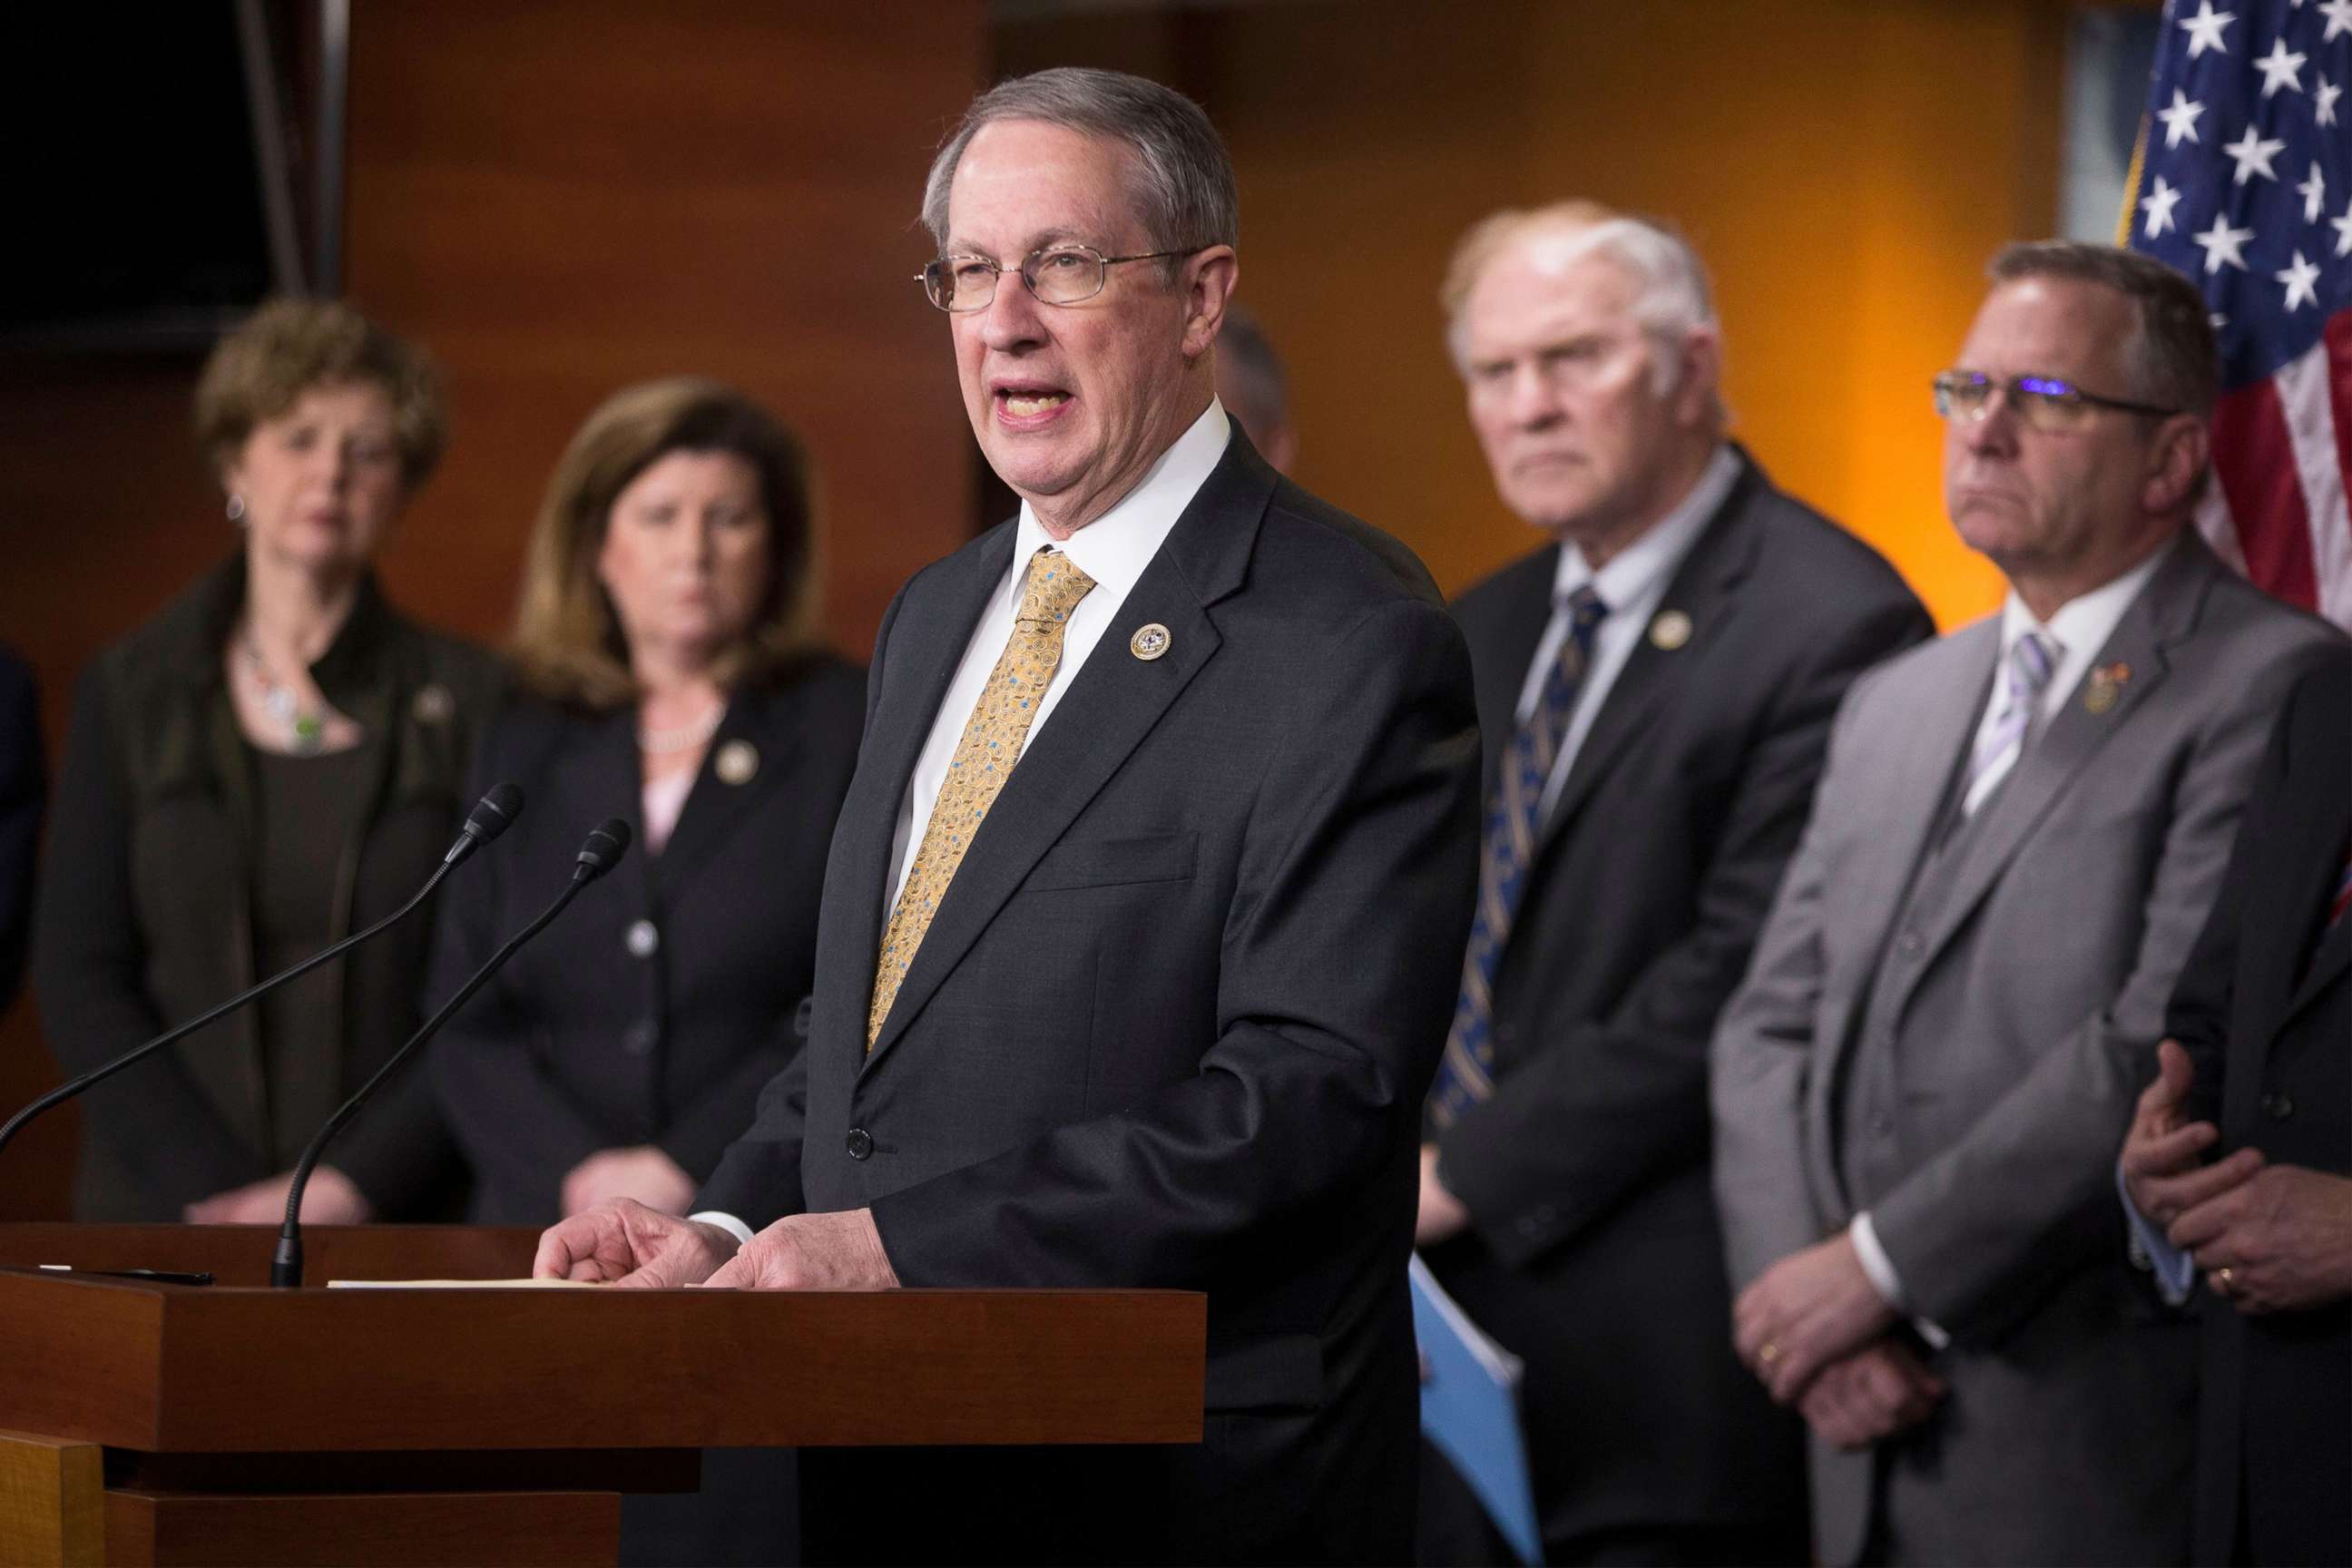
(154, 1423)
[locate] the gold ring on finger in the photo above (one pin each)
(1768, 1353)
(2223, 1276)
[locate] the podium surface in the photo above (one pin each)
(150, 1422)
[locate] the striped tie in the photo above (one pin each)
(1466, 1074)
(2343, 897)
(2032, 658)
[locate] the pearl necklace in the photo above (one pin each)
(681, 737)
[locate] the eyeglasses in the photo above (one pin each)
(1057, 274)
(2042, 402)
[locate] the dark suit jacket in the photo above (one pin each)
(1595, 1253)
(23, 786)
(148, 919)
(588, 1041)
(1172, 1026)
(2265, 1007)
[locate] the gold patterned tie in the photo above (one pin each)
(983, 760)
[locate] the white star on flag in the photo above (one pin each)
(2314, 192)
(2204, 28)
(2180, 120)
(2343, 227)
(2158, 205)
(2223, 245)
(2339, 18)
(2325, 98)
(2302, 280)
(2280, 69)
(2254, 156)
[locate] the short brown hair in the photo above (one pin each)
(567, 642)
(2172, 355)
(290, 346)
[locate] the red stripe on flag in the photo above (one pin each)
(2254, 460)
(2338, 336)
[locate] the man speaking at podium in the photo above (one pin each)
(1158, 1005)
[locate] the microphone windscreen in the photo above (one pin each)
(495, 812)
(606, 844)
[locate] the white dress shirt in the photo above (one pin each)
(2080, 628)
(1631, 584)
(1113, 550)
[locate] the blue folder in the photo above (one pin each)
(1470, 1411)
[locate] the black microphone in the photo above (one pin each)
(603, 851)
(491, 815)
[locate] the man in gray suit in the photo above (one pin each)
(1960, 990)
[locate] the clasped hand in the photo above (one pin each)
(2271, 1238)
(623, 1242)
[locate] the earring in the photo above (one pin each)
(236, 507)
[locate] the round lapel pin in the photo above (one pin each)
(1669, 630)
(433, 704)
(1149, 642)
(2105, 686)
(736, 762)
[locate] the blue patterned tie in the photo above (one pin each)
(1467, 1075)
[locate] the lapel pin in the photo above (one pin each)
(1150, 640)
(433, 704)
(736, 762)
(1669, 630)
(2105, 686)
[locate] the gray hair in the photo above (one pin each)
(2172, 353)
(1672, 300)
(1184, 191)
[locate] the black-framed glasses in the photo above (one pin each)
(1056, 275)
(2044, 402)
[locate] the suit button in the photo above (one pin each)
(638, 1038)
(2278, 1105)
(1882, 1125)
(1912, 943)
(860, 1142)
(643, 939)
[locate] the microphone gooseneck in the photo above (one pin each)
(488, 818)
(603, 851)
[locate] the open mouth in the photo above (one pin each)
(1029, 404)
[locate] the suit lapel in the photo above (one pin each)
(1111, 704)
(1702, 593)
(1520, 626)
(757, 730)
(2056, 759)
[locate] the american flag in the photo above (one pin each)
(2243, 181)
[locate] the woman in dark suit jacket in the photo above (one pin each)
(272, 763)
(662, 644)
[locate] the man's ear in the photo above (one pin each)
(2177, 461)
(1698, 376)
(1208, 280)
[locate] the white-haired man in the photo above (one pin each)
(1655, 685)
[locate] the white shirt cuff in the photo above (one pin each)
(725, 1221)
(2174, 1270)
(1883, 1278)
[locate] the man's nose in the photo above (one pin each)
(1013, 319)
(1993, 432)
(1532, 401)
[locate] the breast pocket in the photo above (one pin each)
(1115, 862)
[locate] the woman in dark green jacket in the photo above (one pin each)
(270, 764)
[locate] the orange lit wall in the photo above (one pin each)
(1847, 166)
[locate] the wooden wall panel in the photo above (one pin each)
(562, 199)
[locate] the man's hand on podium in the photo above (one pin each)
(623, 1242)
(812, 1252)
